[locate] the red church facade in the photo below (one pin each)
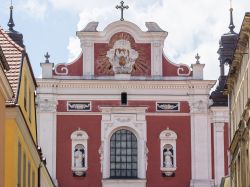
(123, 115)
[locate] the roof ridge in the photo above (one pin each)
(19, 48)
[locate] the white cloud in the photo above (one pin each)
(193, 26)
(74, 48)
(35, 8)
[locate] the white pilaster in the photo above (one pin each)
(46, 123)
(47, 69)
(198, 71)
(219, 161)
(219, 118)
(88, 58)
(200, 142)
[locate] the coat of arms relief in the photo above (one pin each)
(122, 57)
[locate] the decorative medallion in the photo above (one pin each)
(122, 57)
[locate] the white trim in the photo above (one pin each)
(124, 183)
(99, 113)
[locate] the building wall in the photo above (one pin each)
(66, 125)
(5, 94)
(238, 84)
(13, 138)
(181, 126)
(2, 119)
(28, 110)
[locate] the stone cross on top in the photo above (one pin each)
(47, 56)
(122, 7)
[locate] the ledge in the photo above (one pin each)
(124, 182)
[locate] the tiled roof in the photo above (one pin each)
(14, 55)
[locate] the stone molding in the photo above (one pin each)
(129, 118)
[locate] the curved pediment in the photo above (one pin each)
(154, 31)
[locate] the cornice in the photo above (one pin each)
(109, 84)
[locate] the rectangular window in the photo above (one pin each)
(25, 93)
(19, 161)
(28, 174)
(30, 97)
(24, 170)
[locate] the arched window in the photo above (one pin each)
(123, 155)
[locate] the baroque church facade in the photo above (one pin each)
(122, 114)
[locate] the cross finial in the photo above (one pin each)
(122, 7)
(197, 57)
(47, 56)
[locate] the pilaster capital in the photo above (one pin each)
(47, 105)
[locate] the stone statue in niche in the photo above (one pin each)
(79, 156)
(168, 157)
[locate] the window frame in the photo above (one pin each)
(117, 143)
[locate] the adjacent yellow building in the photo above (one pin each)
(238, 89)
(22, 161)
(5, 94)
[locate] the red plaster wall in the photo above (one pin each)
(65, 126)
(170, 69)
(184, 107)
(75, 68)
(181, 125)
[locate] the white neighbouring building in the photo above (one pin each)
(123, 115)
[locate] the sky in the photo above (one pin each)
(193, 26)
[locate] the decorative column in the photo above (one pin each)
(46, 123)
(200, 142)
